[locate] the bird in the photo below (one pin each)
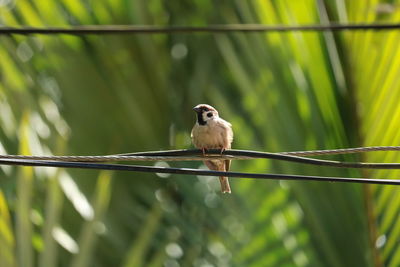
(212, 132)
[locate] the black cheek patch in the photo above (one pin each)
(209, 115)
(200, 119)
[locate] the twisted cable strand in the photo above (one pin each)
(343, 151)
(195, 154)
(109, 158)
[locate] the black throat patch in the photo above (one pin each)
(200, 119)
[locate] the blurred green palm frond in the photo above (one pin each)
(92, 95)
(375, 67)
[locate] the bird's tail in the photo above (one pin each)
(225, 188)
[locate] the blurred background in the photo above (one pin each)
(94, 95)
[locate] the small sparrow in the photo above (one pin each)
(210, 131)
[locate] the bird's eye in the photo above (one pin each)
(209, 115)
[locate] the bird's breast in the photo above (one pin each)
(207, 137)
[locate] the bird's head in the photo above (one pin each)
(205, 113)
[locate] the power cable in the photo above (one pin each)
(223, 28)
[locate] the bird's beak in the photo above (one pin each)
(196, 109)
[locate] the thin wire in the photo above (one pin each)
(110, 158)
(253, 154)
(196, 154)
(135, 168)
(343, 151)
(224, 28)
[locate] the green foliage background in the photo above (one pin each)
(111, 94)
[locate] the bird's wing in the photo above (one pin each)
(226, 133)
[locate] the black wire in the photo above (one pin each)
(150, 29)
(187, 154)
(266, 155)
(136, 168)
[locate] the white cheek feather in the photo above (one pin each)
(206, 118)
